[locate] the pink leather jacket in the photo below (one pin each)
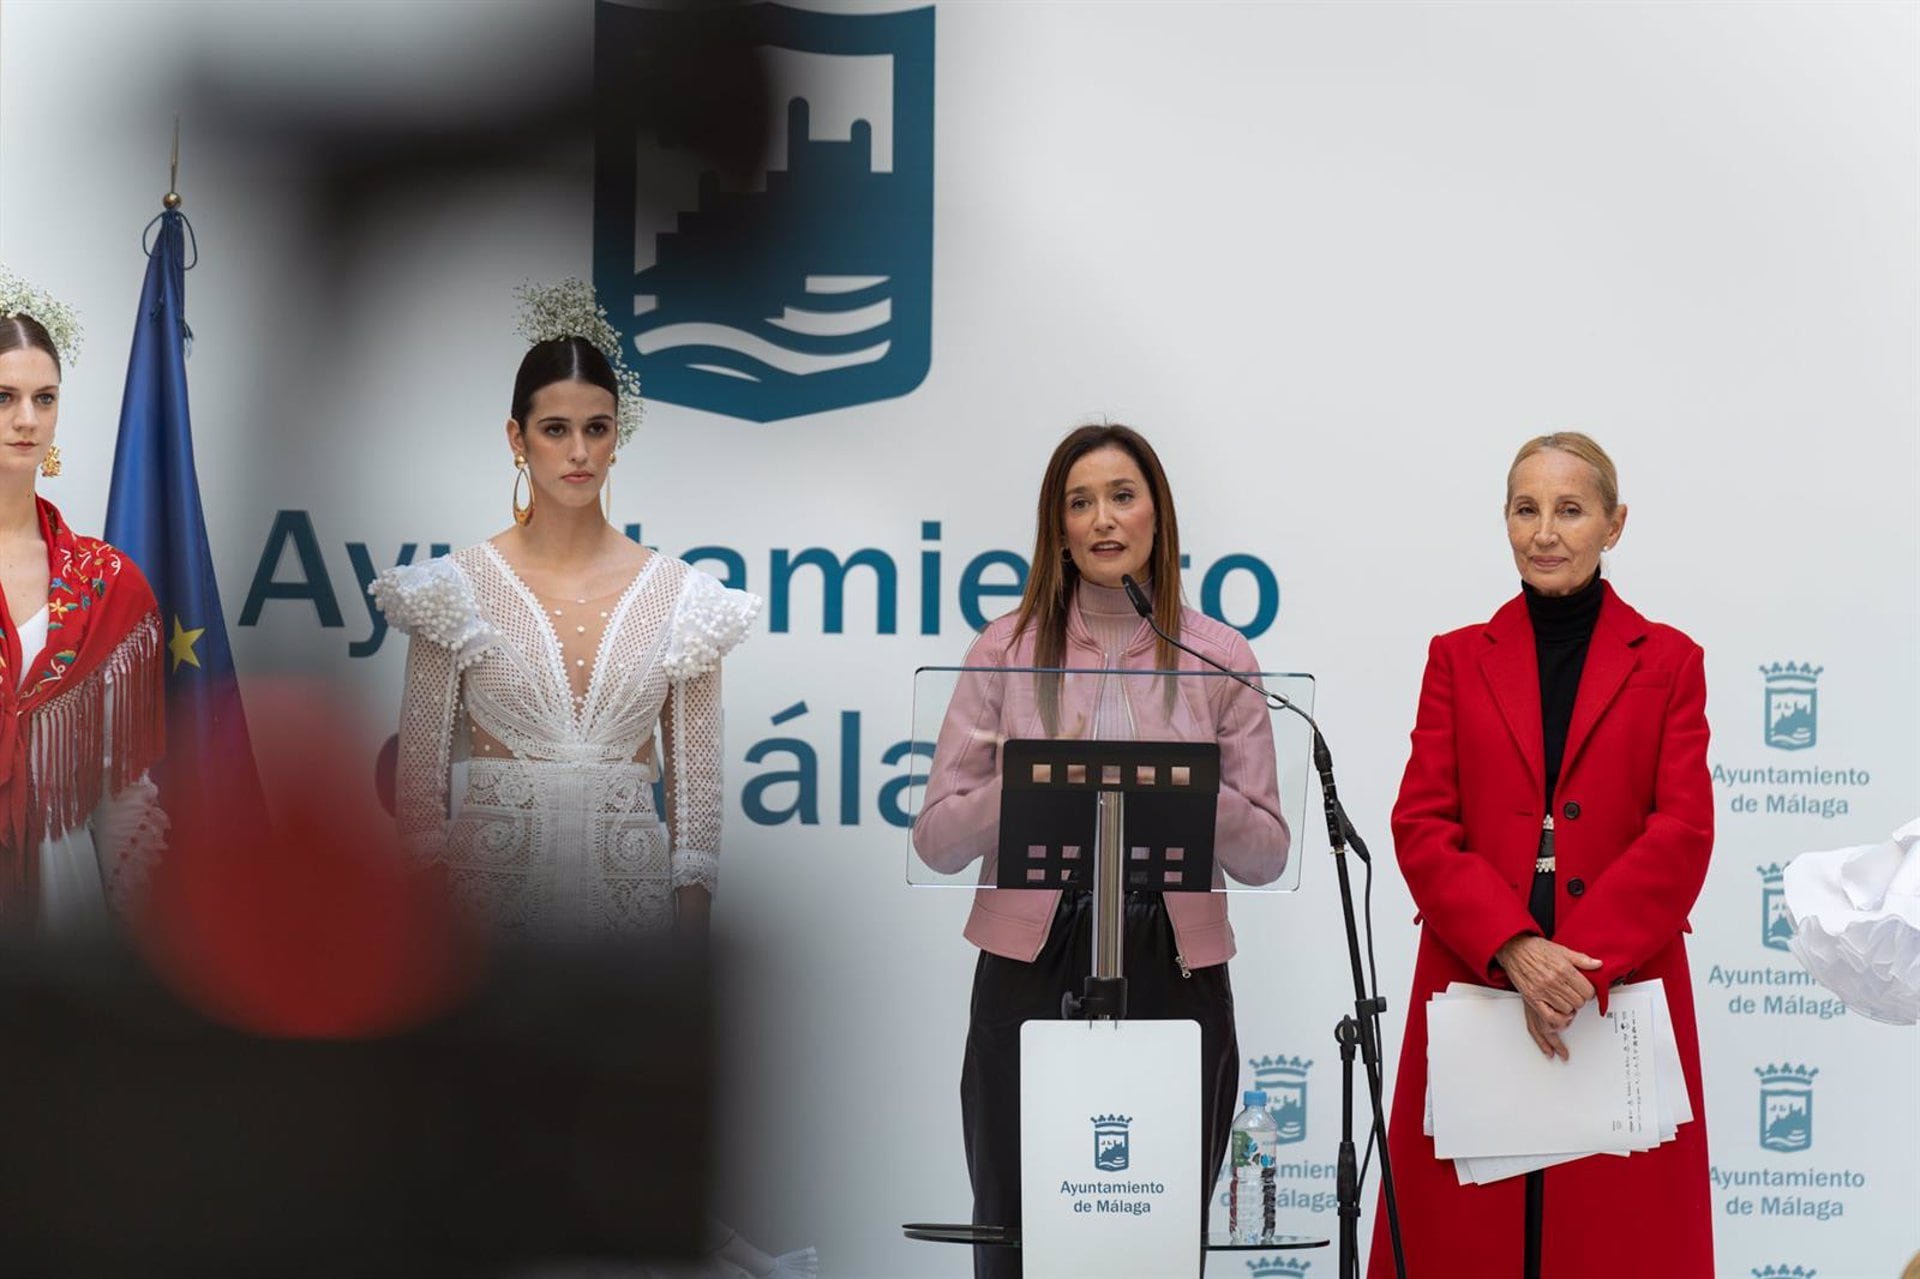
(960, 821)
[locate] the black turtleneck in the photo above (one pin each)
(1562, 627)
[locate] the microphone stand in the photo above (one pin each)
(1361, 1030)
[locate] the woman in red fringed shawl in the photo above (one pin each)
(80, 672)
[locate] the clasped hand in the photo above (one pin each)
(1552, 983)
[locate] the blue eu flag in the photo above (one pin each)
(154, 517)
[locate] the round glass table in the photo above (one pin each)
(1009, 1237)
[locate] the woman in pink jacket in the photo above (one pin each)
(1105, 513)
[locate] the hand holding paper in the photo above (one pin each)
(1545, 1036)
(1549, 976)
(1499, 1106)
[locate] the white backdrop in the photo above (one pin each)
(1336, 260)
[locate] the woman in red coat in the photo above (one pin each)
(1554, 826)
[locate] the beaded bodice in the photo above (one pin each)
(554, 704)
(580, 680)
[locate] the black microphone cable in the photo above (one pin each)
(1340, 830)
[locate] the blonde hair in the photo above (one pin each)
(1581, 446)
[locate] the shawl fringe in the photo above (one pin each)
(114, 714)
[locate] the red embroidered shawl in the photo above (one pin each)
(97, 690)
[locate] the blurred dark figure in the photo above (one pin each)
(560, 1112)
(497, 93)
(309, 1065)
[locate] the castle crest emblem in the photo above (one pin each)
(1284, 1080)
(1776, 924)
(1792, 705)
(1112, 1142)
(807, 286)
(1786, 1107)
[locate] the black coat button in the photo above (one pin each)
(1570, 811)
(1575, 887)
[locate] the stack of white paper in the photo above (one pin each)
(1498, 1107)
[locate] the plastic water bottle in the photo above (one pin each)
(1250, 1158)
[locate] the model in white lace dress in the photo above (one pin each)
(535, 725)
(555, 673)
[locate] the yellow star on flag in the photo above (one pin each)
(181, 645)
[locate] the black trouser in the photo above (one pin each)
(1007, 993)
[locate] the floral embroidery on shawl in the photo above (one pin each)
(94, 693)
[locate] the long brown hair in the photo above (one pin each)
(1053, 577)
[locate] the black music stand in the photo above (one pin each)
(1114, 817)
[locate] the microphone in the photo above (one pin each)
(1361, 1031)
(1338, 828)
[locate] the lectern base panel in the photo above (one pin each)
(1110, 1149)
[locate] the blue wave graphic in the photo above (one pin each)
(828, 328)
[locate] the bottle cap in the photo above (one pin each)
(1255, 1097)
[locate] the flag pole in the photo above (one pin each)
(171, 199)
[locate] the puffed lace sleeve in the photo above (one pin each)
(433, 600)
(709, 620)
(433, 604)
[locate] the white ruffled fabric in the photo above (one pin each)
(709, 622)
(434, 600)
(1856, 918)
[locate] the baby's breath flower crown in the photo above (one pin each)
(17, 297)
(569, 310)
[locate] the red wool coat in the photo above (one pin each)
(1633, 827)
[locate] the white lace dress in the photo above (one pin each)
(528, 751)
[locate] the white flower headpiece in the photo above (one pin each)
(17, 297)
(570, 310)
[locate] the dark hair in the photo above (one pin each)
(1053, 576)
(24, 333)
(560, 360)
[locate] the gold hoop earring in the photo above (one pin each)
(50, 464)
(522, 515)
